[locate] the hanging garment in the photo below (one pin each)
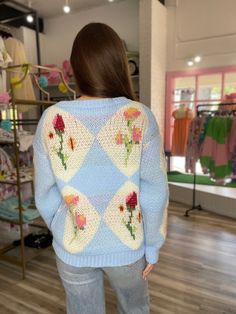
(5, 59)
(25, 90)
(215, 157)
(6, 166)
(232, 145)
(183, 118)
(193, 149)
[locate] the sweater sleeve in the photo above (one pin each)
(154, 193)
(47, 195)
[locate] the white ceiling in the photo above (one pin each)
(50, 8)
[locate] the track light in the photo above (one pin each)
(29, 18)
(197, 59)
(66, 7)
(190, 63)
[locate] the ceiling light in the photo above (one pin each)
(110, 0)
(197, 59)
(190, 63)
(29, 18)
(66, 7)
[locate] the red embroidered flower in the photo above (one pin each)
(58, 123)
(50, 135)
(131, 200)
(121, 208)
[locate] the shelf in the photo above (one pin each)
(26, 176)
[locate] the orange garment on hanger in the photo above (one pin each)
(183, 118)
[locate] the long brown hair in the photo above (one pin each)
(99, 63)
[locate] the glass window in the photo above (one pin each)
(230, 83)
(184, 89)
(209, 87)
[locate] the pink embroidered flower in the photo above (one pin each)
(58, 123)
(136, 134)
(119, 138)
(131, 113)
(131, 200)
(80, 221)
(71, 200)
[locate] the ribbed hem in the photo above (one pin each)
(100, 260)
(93, 103)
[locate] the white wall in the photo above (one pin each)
(61, 31)
(201, 27)
(153, 57)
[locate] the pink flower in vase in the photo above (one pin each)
(80, 220)
(119, 138)
(136, 134)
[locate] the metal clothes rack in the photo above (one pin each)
(16, 122)
(198, 112)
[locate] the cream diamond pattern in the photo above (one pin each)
(78, 234)
(68, 149)
(117, 153)
(116, 218)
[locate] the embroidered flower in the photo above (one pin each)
(131, 203)
(119, 138)
(58, 123)
(50, 135)
(136, 135)
(80, 221)
(71, 200)
(139, 217)
(71, 143)
(121, 207)
(59, 127)
(131, 113)
(131, 200)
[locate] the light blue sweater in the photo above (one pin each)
(100, 181)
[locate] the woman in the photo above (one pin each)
(100, 180)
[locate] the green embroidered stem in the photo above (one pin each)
(129, 223)
(74, 225)
(59, 153)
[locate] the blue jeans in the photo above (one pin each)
(85, 291)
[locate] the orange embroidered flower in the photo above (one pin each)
(139, 217)
(131, 113)
(119, 138)
(71, 200)
(136, 134)
(121, 207)
(50, 135)
(71, 143)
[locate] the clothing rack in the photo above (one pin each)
(29, 69)
(198, 113)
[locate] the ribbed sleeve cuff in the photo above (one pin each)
(152, 255)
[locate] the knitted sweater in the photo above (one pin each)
(100, 181)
